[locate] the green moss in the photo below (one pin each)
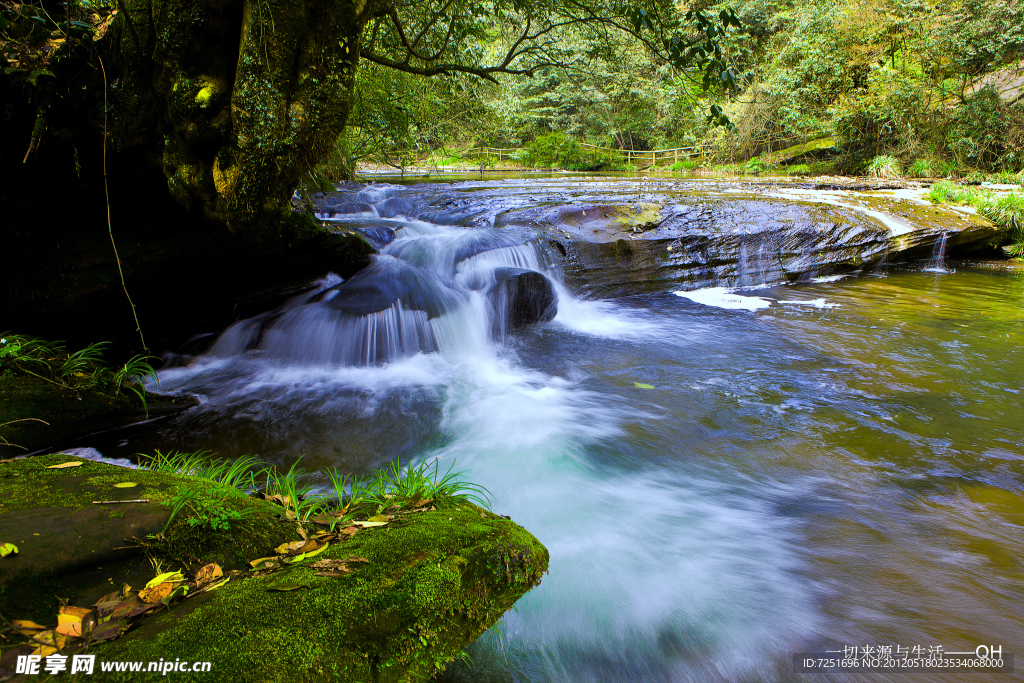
(434, 582)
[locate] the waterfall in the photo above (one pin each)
(937, 264)
(434, 288)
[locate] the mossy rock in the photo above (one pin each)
(433, 584)
(72, 548)
(433, 581)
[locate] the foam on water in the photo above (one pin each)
(816, 303)
(724, 297)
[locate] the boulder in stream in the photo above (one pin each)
(521, 298)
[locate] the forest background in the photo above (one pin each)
(923, 87)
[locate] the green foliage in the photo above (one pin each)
(557, 150)
(396, 486)
(884, 166)
(799, 169)
(685, 165)
(985, 133)
(1008, 213)
(945, 192)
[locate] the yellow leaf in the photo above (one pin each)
(640, 385)
(26, 627)
(70, 620)
(287, 548)
(367, 525)
(319, 550)
(268, 561)
(173, 577)
(65, 464)
(8, 549)
(380, 518)
(126, 485)
(218, 584)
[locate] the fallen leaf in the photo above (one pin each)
(71, 621)
(265, 563)
(8, 549)
(368, 524)
(179, 592)
(26, 627)
(218, 584)
(285, 586)
(348, 531)
(61, 466)
(289, 548)
(380, 518)
(51, 642)
(319, 550)
(141, 609)
(421, 503)
(109, 630)
(105, 608)
(156, 593)
(173, 577)
(208, 573)
(126, 485)
(640, 385)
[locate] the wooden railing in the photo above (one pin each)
(631, 156)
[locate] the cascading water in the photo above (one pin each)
(937, 264)
(781, 488)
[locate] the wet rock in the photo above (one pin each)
(388, 281)
(395, 206)
(379, 235)
(521, 298)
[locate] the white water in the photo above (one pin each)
(656, 573)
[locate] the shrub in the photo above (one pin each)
(799, 169)
(985, 133)
(885, 166)
(685, 165)
(922, 168)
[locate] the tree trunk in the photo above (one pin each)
(247, 95)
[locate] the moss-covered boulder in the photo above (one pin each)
(409, 595)
(430, 586)
(72, 548)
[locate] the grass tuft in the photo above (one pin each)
(885, 166)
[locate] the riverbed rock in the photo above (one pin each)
(521, 298)
(735, 236)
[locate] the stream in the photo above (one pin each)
(724, 476)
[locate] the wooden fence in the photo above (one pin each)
(639, 158)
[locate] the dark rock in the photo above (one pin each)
(387, 281)
(521, 298)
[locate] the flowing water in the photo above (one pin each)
(832, 463)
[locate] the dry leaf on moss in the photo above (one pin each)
(61, 466)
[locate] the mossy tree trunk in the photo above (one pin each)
(247, 96)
